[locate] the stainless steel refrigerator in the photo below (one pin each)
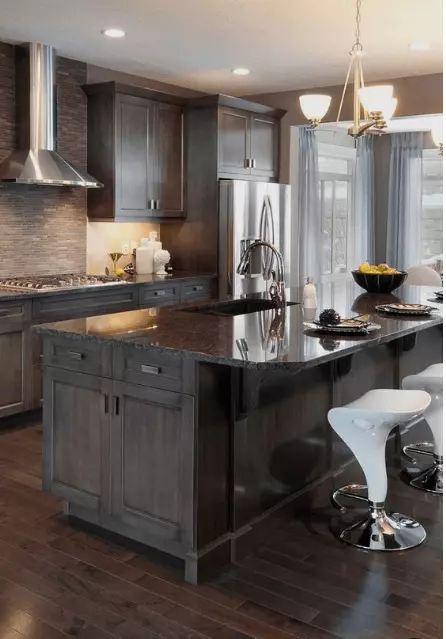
(250, 211)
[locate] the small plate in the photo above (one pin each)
(406, 309)
(364, 329)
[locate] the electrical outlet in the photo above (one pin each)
(125, 248)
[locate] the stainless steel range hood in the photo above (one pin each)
(35, 161)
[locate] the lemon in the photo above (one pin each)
(364, 267)
(119, 272)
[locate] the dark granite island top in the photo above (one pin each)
(244, 340)
(188, 432)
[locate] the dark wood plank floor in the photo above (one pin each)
(58, 581)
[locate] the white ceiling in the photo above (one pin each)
(287, 44)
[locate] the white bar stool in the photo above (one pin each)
(364, 425)
(429, 479)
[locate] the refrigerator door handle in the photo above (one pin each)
(267, 235)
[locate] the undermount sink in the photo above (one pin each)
(236, 307)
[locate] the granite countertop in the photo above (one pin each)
(243, 340)
(7, 294)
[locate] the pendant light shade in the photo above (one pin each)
(389, 110)
(377, 99)
(314, 106)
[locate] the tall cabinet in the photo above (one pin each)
(227, 139)
(136, 149)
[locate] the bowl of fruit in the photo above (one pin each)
(378, 279)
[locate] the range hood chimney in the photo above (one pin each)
(35, 161)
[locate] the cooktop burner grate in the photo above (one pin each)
(49, 282)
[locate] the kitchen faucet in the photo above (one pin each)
(277, 288)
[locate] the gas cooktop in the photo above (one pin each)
(51, 282)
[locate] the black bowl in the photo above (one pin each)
(379, 283)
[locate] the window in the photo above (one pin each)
(432, 213)
(335, 195)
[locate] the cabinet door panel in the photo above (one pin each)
(152, 459)
(133, 165)
(76, 437)
(264, 145)
(169, 157)
(15, 375)
(234, 143)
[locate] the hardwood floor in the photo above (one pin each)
(58, 581)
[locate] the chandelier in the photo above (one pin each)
(375, 102)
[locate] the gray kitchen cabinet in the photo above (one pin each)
(136, 142)
(161, 293)
(244, 135)
(264, 139)
(57, 307)
(248, 144)
(152, 461)
(16, 357)
(76, 416)
(234, 141)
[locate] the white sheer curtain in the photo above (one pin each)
(405, 200)
(363, 224)
(309, 226)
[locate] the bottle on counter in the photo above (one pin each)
(309, 296)
(144, 257)
(154, 243)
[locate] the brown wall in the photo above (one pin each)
(43, 229)
(417, 95)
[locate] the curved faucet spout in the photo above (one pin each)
(277, 288)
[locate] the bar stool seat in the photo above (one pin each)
(364, 425)
(428, 479)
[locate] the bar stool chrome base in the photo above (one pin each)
(428, 479)
(378, 530)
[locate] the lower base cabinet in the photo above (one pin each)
(152, 459)
(76, 419)
(125, 452)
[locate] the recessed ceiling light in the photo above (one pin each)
(114, 33)
(419, 45)
(240, 71)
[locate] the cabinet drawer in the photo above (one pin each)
(196, 289)
(53, 308)
(157, 370)
(14, 314)
(76, 355)
(159, 294)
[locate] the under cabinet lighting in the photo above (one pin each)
(240, 71)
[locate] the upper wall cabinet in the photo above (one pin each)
(247, 135)
(135, 145)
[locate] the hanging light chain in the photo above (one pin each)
(358, 21)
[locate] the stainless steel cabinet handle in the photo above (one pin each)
(158, 205)
(117, 405)
(159, 293)
(76, 356)
(253, 163)
(106, 404)
(247, 163)
(152, 370)
(152, 205)
(198, 288)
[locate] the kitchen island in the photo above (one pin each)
(187, 429)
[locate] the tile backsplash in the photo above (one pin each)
(43, 229)
(105, 237)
